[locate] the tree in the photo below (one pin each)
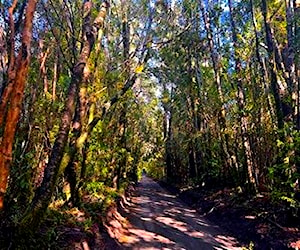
(18, 71)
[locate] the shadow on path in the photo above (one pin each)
(155, 219)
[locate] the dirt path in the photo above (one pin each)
(155, 219)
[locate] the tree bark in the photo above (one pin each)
(273, 73)
(7, 89)
(13, 112)
(263, 72)
(295, 67)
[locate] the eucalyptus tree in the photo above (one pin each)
(13, 93)
(208, 89)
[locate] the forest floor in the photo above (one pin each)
(255, 222)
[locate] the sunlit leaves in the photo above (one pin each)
(139, 69)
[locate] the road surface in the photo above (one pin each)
(156, 219)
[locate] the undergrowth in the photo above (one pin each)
(64, 226)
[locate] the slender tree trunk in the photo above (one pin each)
(215, 57)
(296, 47)
(55, 75)
(273, 73)
(43, 71)
(86, 126)
(121, 163)
(262, 68)
(7, 89)
(125, 35)
(297, 73)
(168, 136)
(81, 128)
(3, 58)
(191, 107)
(14, 109)
(241, 103)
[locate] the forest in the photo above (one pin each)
(202, 95)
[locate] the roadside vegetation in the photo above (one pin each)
(203, 95)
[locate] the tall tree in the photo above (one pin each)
(17, 81)
(272, 66)
(241, 99)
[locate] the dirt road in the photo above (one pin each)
(155, 219)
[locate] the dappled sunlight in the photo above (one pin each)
(202, 96)
(156, 220)
(79, 215)
(124, 207)
(173, 223)
(146, 219)
(125, 201)
(143, 199)
(149, 236)
(197, 234)
(187, 213)
(227, 242)
(202, 223)
(166, 195)
(172, 211)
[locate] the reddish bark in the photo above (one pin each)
(13, 112)
(11, 72)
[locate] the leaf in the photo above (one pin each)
(279, 143)
(48, 96)
(286, 160)
(139, 69)
(119, 85)
(92, 110)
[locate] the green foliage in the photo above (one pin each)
(175, 122)
(95, 188)
(154, 166)
(284, 173)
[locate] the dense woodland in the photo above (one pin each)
(198, 93)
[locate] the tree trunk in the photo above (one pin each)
(43, 70)
(263, 72)
(273, 73)
(297, 64)
(7, 88)
(3, 58)
(14, 109)
(215, 57)
(241, 103)
(55, 75)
